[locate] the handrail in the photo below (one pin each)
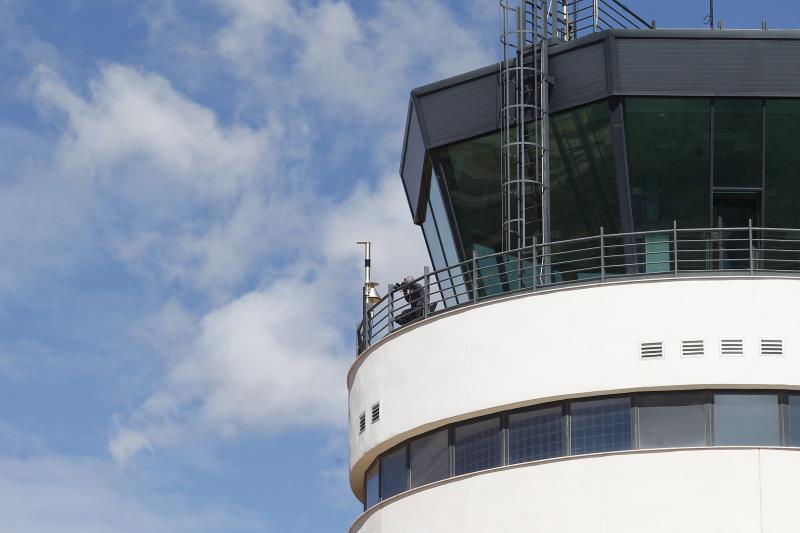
(597, 259)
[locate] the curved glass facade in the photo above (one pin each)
(694, 162)
(646, 420)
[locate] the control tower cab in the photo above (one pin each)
(608, 336)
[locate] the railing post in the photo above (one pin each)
(426, 295)
(533, 260)
(474, 277)
(750, 244)
(602, 255)
(675, 246)
(390, 309)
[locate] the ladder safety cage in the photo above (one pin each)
(530, 27)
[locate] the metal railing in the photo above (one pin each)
(603, 258)
(570, 19)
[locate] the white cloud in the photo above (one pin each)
(349, 63)
(276, 358)
(171, 191)
(69, 494)
(230, 214)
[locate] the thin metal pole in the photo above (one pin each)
(595, 16)
(390, 302)
(426, 294)
(602, 255)
(675, 245)
(711, 14)
(750, 243)
(533, 258)
(474, 276)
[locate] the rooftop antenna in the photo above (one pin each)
(371, 296)
(710, 17)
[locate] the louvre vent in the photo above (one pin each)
(652, 350)
(731, 347)
(376, 412)
(693, 348)
(771, 347)
(362, 422)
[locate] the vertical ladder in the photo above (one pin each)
(524, 119)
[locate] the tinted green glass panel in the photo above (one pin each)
(668, 143)
(472, 169)
(583, 191)
(737, 143)
(782, 194)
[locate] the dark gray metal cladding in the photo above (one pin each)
(412, 167)
(732, 63)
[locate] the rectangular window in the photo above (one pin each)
(372, 487)
(669, 161)
(600, 425)
(536, 434)
(477, 446)
(737, 143)
(793, 419)
(430, 459)
(393, 473)
(782, 165)
(672, 419)
(742, 419)
(583, 188)
(472, 171)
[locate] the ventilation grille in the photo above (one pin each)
(652, 350)
(771, 347)
(376, 412)
(693, 348)
(362, 422)
(731, 347)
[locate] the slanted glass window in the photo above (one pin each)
(583, 189)
(672, 419)
(535, 434)
(668, 143)
(600, 425)
(737, 143)
(372, 486)
(782, 166)
(430, 458)
(742, 419)
(393, 473)
(472, 171)
(477, 446)
(793, 419)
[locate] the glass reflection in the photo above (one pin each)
(393, 473)
(537, 434)
(668, 143)
(430, 459)
(672, 419)
(583, 190)
(782, 164)
(372, 488)
(601, 425)
(477, 446)
(737, 143)
(746, 419)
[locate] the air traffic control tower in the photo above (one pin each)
(608, 337)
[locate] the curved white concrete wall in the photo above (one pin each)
(709, 490)
(569, 343)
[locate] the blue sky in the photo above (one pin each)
(183, 183)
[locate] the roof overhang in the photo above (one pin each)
(727, 63)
